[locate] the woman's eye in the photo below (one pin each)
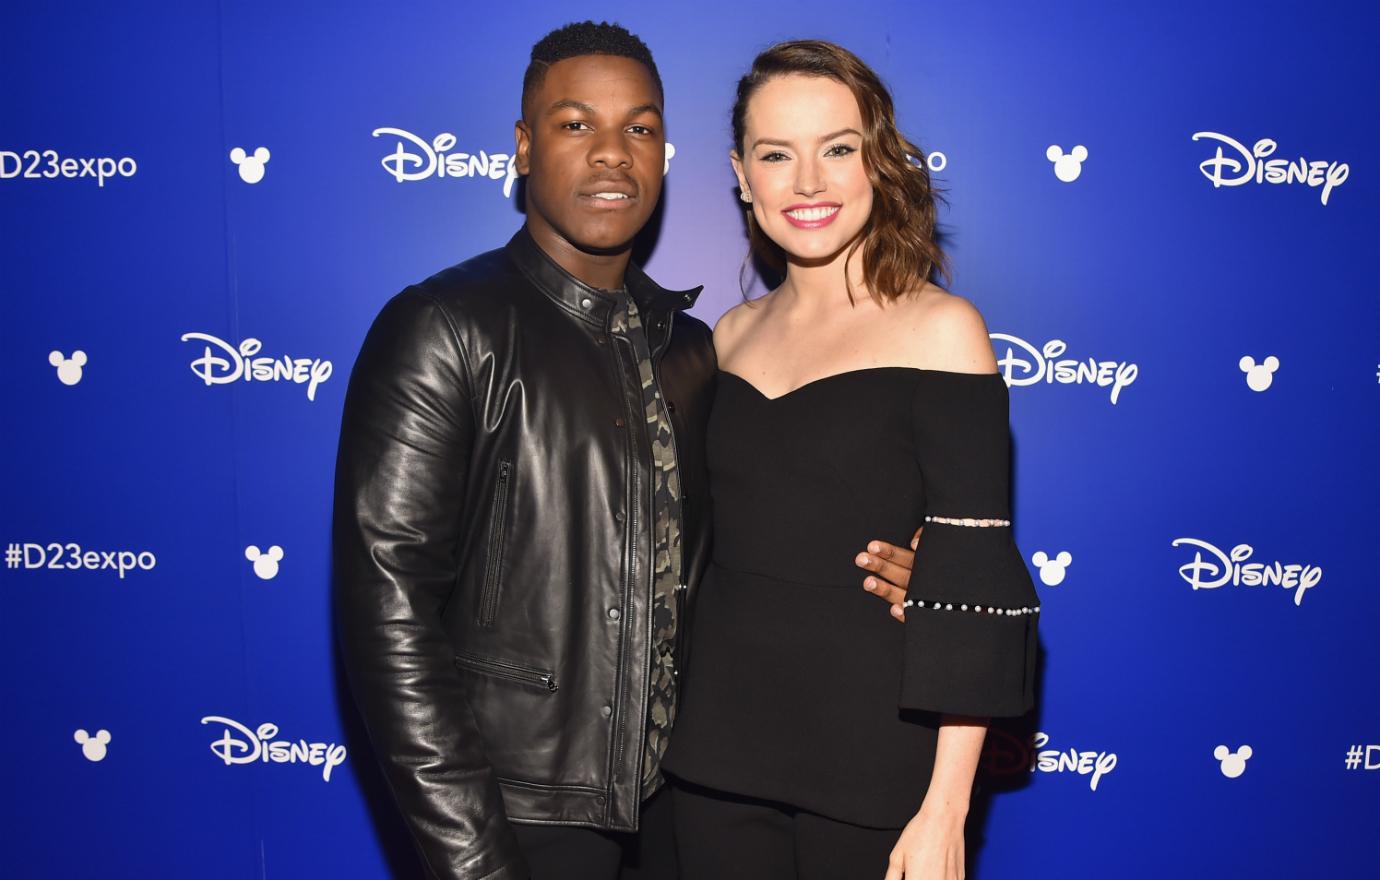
(839, 150)
(775, 156)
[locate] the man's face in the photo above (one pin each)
(592, 145)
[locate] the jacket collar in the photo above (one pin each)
(591, 303)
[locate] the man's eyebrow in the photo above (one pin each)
(570, 104)
(581, 106)
(828, 137)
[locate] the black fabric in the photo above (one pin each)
(567, 852)
(729, 837)
(802, 689)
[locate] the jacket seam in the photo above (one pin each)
(455, 337)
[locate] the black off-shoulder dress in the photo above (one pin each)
(800, 688)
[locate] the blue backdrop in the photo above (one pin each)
(1164, 211)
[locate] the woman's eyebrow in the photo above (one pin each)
(828, 137)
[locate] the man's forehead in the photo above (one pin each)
(602, 82)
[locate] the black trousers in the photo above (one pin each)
(722, 836)
(557, 852)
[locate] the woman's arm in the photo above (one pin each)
(931, 846)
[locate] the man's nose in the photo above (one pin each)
(610, 148)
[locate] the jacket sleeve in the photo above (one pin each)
(970, 634)
(400, 481)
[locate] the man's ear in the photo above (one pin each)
(738, 170)
(522, 135)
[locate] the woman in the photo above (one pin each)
(815, 739)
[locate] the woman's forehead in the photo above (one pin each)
(796, 106)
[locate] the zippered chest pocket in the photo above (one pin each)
(506, 669)
(498, 534)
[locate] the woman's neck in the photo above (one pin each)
(821, 286)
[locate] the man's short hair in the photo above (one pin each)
(585, 38)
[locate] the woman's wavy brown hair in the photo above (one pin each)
(900, 247)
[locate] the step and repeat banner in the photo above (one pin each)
(1166, 213)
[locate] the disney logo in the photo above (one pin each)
(1253, 165)
(434, 159)
(1041, 365)
(1231, 568)
(239, 363)
(260, 745)
(1006, 755)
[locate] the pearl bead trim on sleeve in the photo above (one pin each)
(968, 521)
(979, 609)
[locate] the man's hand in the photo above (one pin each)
(890, 566)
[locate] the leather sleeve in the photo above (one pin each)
(971, 636)
(400, 483)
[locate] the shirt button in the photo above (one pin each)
(586, 303)
(618, 516)
(601, 340)
(614, 614)
(619, 422)
(606, 711)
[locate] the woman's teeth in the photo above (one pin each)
(813, 213)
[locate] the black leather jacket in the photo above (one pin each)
(492, 574)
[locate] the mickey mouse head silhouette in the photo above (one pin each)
(251, 167)
(1052, 571)
(1067, 166)
(265, 564)
(670, 154)
(93, 747)
(1233, 763)
(1259, 376)
(68, 369)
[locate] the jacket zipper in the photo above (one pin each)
(511, 671)
(488, 597)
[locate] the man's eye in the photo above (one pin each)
(839, 150)
(639, 129)
(575, 125)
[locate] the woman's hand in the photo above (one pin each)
(930, 846)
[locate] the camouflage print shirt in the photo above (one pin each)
(666, 534)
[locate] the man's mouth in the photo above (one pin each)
(615, 198)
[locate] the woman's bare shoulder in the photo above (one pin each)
(944, 331)
(735, 323)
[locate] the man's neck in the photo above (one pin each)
(601, 270)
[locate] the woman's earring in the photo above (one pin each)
(745, 196)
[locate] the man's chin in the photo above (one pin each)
(596, 236)
(603, 247)
(602, 240)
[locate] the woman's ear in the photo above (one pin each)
(737, 161)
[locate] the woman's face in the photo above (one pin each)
(802, 163)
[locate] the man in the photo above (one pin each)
(521, 510)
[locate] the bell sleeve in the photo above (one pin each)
(971, 615)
